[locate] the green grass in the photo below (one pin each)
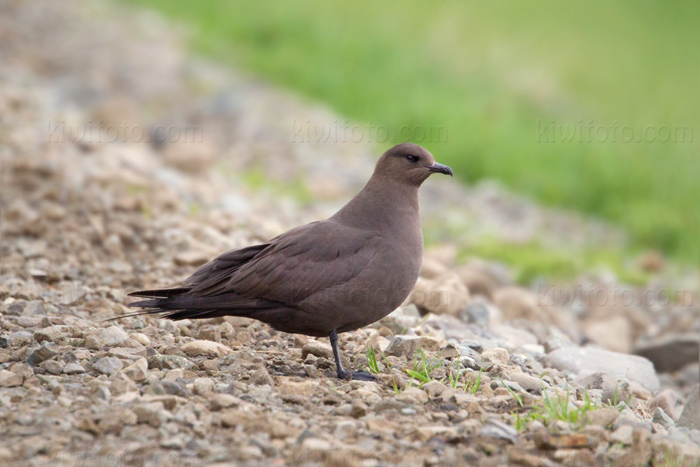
(422, 368)
(492, 74)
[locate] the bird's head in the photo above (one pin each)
(410, 164)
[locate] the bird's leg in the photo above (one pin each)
(342, 374)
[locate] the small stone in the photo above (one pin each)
(603, 417)
(202, 348)
(52, 367)
(41, 354)
(318, 349)
(426, 433)
(93, 343)
(665, 399)
(663, 419)
(434, 388)
(261, 377)
(73, 369)
(403, 346)
(203, 386)
(20, 339)
(613, 391)
(149, 413)
(173, 362)
(141, 339)
(137, 371)
(51, 334)
(10, 379)
(496, 355)
(412, 396)
(223, 401)
(529, 383)
(622, 435)
(499, 430)
(108, 365)
(314, 449)
(113, 336)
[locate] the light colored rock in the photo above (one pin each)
(403, 346)
(665, 399)
(73, 369)
(137, 371)
(529, 383)
(113, 336)
(223, 401)
(10, 379)
(210, 349)
(141, 338)
(496, 355)
(203, 386)
(603, 417)
(108, 365)
(584, 361)
(318, 349)
(51, 334)
(413, 396)
(444, 294)
(622, 435)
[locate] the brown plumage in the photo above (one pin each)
(325, 277)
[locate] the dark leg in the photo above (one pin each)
(342, 374)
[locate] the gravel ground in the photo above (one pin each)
(497, 374)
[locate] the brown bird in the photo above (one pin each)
(325, 277)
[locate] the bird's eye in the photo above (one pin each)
(412, 158)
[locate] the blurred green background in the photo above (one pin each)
(519, 87)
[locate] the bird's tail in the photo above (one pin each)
(178, 303)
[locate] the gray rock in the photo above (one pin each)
(172, 362)
(43, 353)
(475, 313)
(690, 418)
(51, 333)
(10, 379)
(613, 391)
(20, 338)
(403, 346)
(73, 369)
(108, 365)
(584, 361)
(499, 430)
(671, 353)
(662, 418)
(137, 370)
(113, 336)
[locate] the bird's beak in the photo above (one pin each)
(439, 168)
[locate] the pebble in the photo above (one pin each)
(202, 348)
(108, 365)
(113, 336)
(73, 369)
